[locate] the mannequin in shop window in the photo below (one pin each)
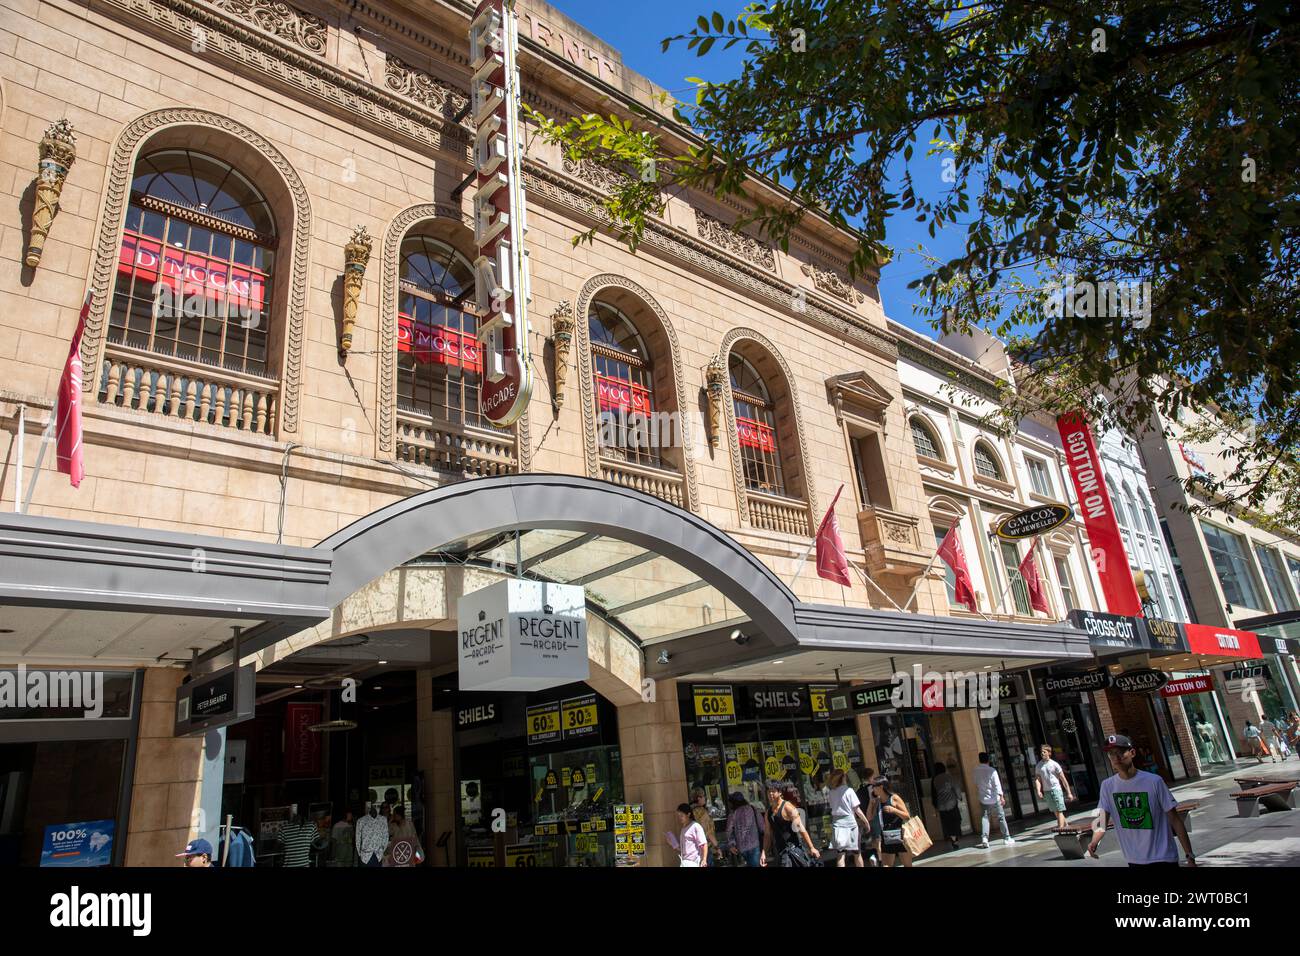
(372, 837)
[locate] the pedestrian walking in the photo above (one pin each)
(1254, 741)
(745, 830)
(871, 834)
(1052, 785)
(944, 796)
(992, 801)
(702, 816)
(1283, 745)
(786, 840)
(1293, 731)
(690, 843)
(846, 814)
(890, 810)
(1268, 733)
(1144, 811)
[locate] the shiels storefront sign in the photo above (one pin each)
(500, 271)
(522, 635)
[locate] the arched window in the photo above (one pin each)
(756, 433)
(623, 381)
(438, 362)
(986, 462)
(194, 274)
(924, 440)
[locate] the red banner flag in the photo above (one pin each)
(1108, 555)
(832, 563)
(67, 411)
(953, 555)
(1033, 583)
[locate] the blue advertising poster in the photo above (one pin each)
(78, 844)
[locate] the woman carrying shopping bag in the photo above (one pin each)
(891, 810)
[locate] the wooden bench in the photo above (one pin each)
(1250, 782)
(1073, 839)
(1271, 796)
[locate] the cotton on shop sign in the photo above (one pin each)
(522, 635)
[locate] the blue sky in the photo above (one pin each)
(637, 36)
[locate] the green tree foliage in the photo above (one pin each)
(1083, 145)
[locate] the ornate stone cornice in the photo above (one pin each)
(958, 376)
(545, 183)
(729, 406)
(109, 239)
(736, 242)
(288, 23)
(832, 283)
(590, 437)
(276, 62)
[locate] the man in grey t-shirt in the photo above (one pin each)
(1146, 820)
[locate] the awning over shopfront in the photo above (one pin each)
(75, 590)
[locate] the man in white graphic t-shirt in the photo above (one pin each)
(1143, 810)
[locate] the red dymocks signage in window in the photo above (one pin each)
(1222, 641)
(1108, 555)
(619, 395)
(437, 343)
(752, 434)
(500, 271)
(185, 274)
(301, 744)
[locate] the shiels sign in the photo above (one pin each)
(501, 270)
(1033, 521)
(522, 635)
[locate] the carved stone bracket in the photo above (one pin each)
(735, 242)
(715, 375)
(58, 151)
(832, 283)
(356, 255)
(562, 338)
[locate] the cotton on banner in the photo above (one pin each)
(832, 563)
(67, 412)
(1108, 553)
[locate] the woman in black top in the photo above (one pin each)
(786, 835)
(890, 810)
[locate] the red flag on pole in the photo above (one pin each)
(832, 563)
(67, 411)
(953, 555)
(1033, 583)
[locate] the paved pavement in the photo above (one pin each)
(1219, 836)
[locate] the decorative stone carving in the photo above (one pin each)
(832, 283)
(725, 237)
(271, 59)
(356, 256)
(117, 191)
(562, 338)
(546, 185)
(288, 23)
(715, 375)
(595, 174)
(439, 96)
(590, 429)
(58, 151)
(729, 406)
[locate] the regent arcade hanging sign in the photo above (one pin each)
(1033, 521)
(500, 271)
(518, 635)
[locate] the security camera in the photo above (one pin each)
(664, 657)
(739, 636)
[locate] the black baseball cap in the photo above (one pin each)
(1117, 742)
